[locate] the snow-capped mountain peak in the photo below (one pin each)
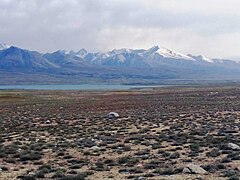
(63, 52)
(82, 53)
(207, 59)
(201, 58)
(120, 51)
(173, 54)
(167, 53)
(4, 46)
(153, 49)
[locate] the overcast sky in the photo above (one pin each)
(208, 27)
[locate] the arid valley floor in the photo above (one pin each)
(161, 134)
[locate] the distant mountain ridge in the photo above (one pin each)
(119, 65)
(15, 58)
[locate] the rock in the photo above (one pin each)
(123, 171)
(141, 178)
(31, 173)
(233, 146)
(19, 150)
(112, 115)
(195, 169)
(95, 148)
(186, 171)
(238, 168)
(48, 122)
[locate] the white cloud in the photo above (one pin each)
(205, 7)
(192, 26)
(179, 39)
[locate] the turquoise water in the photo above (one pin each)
(76, 87)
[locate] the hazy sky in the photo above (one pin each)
(208, 27)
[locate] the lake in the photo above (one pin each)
(77, 87)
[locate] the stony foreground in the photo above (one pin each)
(177, 133)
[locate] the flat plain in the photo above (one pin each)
(162, 133)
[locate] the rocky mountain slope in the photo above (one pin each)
(120, 65)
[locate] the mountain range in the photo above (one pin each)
(153, 65)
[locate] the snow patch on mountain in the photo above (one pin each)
(166, 53)
(120, 51)
(82, 53)
(202, 58)
(121, 58)
(4, 46)
(173, 54)
(207, 59)
(63, 52)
